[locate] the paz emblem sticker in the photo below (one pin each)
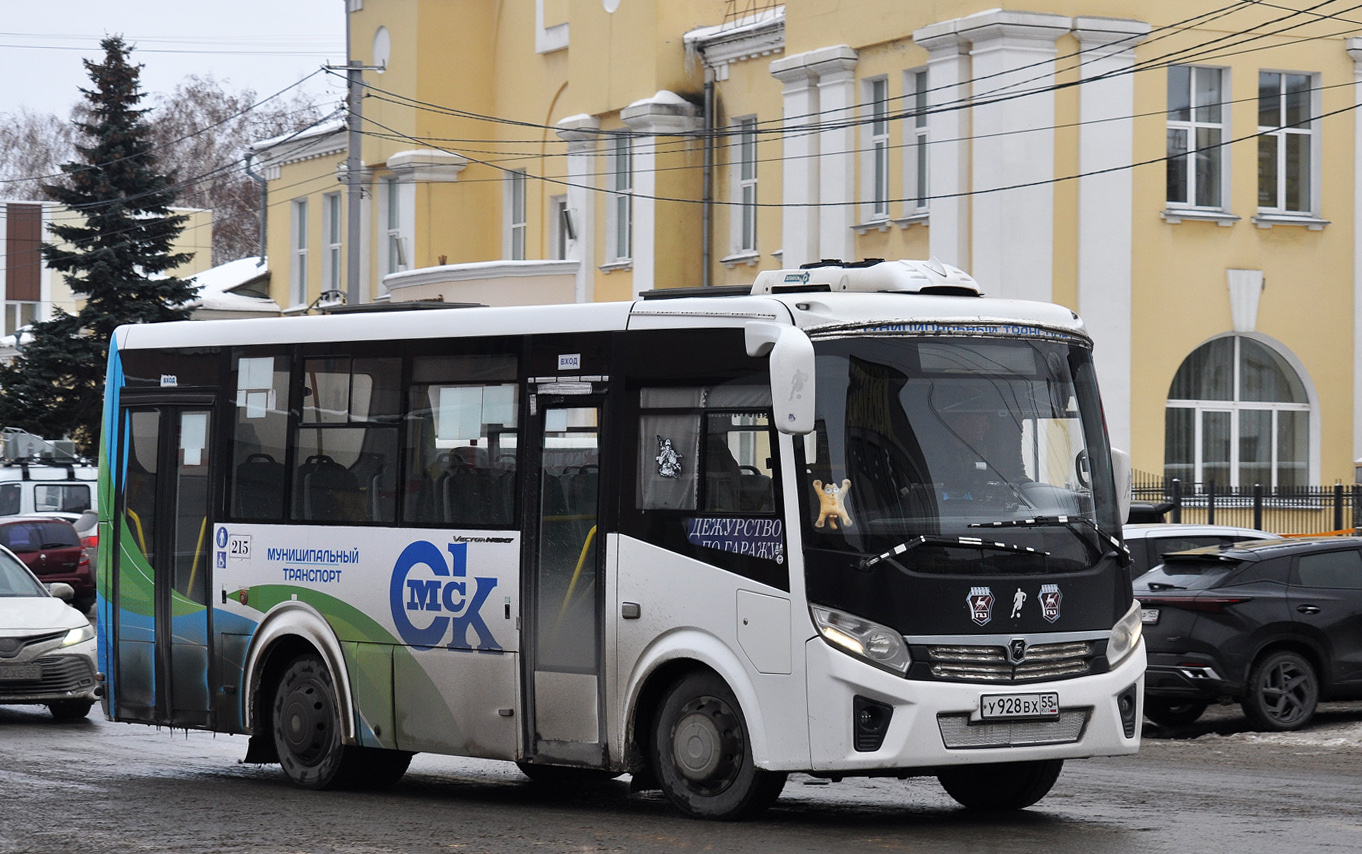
(980, 602)
(1050, 598)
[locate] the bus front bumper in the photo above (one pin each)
(932, 724)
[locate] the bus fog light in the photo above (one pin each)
(877, 644)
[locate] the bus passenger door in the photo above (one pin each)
(162, 566)
(564, 601)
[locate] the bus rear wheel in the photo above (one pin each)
(307, 729)
(1001, 786)
(702, 754)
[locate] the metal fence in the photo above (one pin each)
(1291, 511)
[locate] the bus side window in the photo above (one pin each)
(461, 441)
(259, 437)
(346, 448)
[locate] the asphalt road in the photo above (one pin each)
(1211, 787)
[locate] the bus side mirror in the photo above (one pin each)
(1120, 472)
(791, 354)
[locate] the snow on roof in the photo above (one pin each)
(217, 287)
(325, 128)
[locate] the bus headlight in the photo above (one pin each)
(1125, 635)
(877, 644)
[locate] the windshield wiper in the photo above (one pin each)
(1070, 522)
(934, 540)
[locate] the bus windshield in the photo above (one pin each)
(921, 441)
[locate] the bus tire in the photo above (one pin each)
(380, 768)
(307, 728)
(702, 754)
(1001, 786)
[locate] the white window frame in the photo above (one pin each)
(1280, 133)
(298, 253)
(916, 151)
(20, 313)
(515, 230)
(619, 209)
(394, 243)
(875, 152)
(743, 190)
(333, 231)
(1190, 127)
(1235, 407)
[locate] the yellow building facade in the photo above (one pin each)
(1183, 175)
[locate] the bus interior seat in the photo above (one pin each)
(260, 488)
(470, 491)
(329, 492)
(723, 476)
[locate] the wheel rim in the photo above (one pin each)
(1287, 692)
(306, 722)
(707, 745)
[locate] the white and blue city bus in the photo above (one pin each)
(855, 520)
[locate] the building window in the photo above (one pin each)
(876, 175)
(560, 227)
(915, 149)
(1286, 128)
(395, 248)
(298, 267)
(745, 186)
(332, 225)
(1196, 136)
(18, 315)
(1237, 415)
(620, 213)
(515, 216)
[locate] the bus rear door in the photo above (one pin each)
(163, 562)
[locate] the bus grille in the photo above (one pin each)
(958, 733)
(961, 663)
(61, 674)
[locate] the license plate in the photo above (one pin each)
(1003, 706)
(1149, 616)
(20, 672)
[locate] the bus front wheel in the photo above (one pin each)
(702, 754)
(307, 729)
(1001, 786)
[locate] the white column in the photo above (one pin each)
(799, 163)
(1014, 144)
(837, 151)
(1106, 106)
(948, 130)
(580, 133)
(664, 114)
(1354, 47)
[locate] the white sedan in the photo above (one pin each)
(47, 648)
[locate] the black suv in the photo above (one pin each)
(1275, 625)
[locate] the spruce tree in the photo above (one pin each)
(116, 261)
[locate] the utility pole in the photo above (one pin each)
(353, 177)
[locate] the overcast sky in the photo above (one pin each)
(258, 44)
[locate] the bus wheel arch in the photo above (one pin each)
(290, 630)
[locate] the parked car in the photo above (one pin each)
(53, 550)
(38, 486)
(1273, 625)
(47, 648)
(1149, 543)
